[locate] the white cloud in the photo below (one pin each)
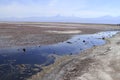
(55, 7)
(53, 2)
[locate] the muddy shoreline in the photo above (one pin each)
(101, 62)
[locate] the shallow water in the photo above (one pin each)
(42, 55)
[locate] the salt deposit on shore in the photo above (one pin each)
(65, 32)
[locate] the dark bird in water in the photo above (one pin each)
(84, 41)
(24, 49)
(103, 38)
(69, 42)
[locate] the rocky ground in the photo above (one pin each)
(98, 63)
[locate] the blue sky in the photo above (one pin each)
(67, 8)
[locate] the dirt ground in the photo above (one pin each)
(98, 63)
(33, 33)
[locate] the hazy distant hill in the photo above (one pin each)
(104, 19)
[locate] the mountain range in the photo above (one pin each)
(103, 19)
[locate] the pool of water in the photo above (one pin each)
(40, 54)
(22, 62)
